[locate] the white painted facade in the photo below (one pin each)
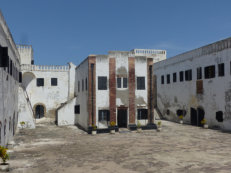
(183, 95)
(8, 86)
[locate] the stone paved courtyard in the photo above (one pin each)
(177, 148)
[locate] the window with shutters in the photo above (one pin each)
(102, 83)
(199, 73)
(162, 79)
(142, 114)
(168, 78)
(118, 82)
(77, 109)
(188, 75)
(54, 81)
(181, 76)
(221, 69)
(209, 72)
(104, 116)
(40, 82)
(174, 77)
(140, 83)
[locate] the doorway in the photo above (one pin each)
(197, 115)
(39, 111)
(122, 117)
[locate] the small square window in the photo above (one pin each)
(40, 82)
(142, 114)
(54, 81)
(77, 109)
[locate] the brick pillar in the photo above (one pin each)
(150, 90)
(91, 90)
(132, 87)
(112, 89)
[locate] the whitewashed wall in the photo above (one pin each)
(182, 95)
(82, 96)
(66, 114)
(8, 87)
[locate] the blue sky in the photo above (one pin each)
(62, 31)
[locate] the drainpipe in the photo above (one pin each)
(150, 86)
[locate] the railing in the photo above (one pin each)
(148, 51)
(28, 67)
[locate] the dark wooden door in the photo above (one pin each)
(122, 118)
(193, 117)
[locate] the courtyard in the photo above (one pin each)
(177, 148)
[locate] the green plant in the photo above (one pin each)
(181, 117)
(94, 127)
(22, 123)
(112, 123)
(3, 154)
(138, 124)
(203, 121)
(159, 123)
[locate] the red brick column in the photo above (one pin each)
(150, 90)
(132, 87)
(112, 89)
(92, 90)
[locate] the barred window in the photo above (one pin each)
(102, 83)
(142, 114)
(188, 75)
(125, 82)
(118, 82)
(104, 115)
(40, 82)
(54, 81)
(209, 72)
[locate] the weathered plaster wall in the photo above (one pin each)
(82, 95)
(26, 54)
(66, 114)
(25, 112)
(8, 87)
(182, 95)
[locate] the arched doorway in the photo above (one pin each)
(39, 111)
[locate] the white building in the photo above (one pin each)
(197, 85)
(9, 82)
(44, 88)
(116, 87)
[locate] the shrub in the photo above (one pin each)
(138, 124)
(3, 154)
(203, 121)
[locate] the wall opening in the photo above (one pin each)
(219, 116)
(39, 111)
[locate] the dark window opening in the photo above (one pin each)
(142, 114)
(188, 75)
(78, 86)
(77, 109)
(199, 73)
(181, 76)
(102, 83)
(104, 115)
(11, 67)
(40, 82)
(209, 72)
(174, 77)
(54, 81)
(86, 83)
(4, 58)
(140, 83)
(167, 112)
(32, 62)
(82, 85)
(180, 112)
(219, 116)
(168, 78)
(221, 69)
(118, 82)
(162, 79)
(125, 82)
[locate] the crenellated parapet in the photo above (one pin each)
(54, 68)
